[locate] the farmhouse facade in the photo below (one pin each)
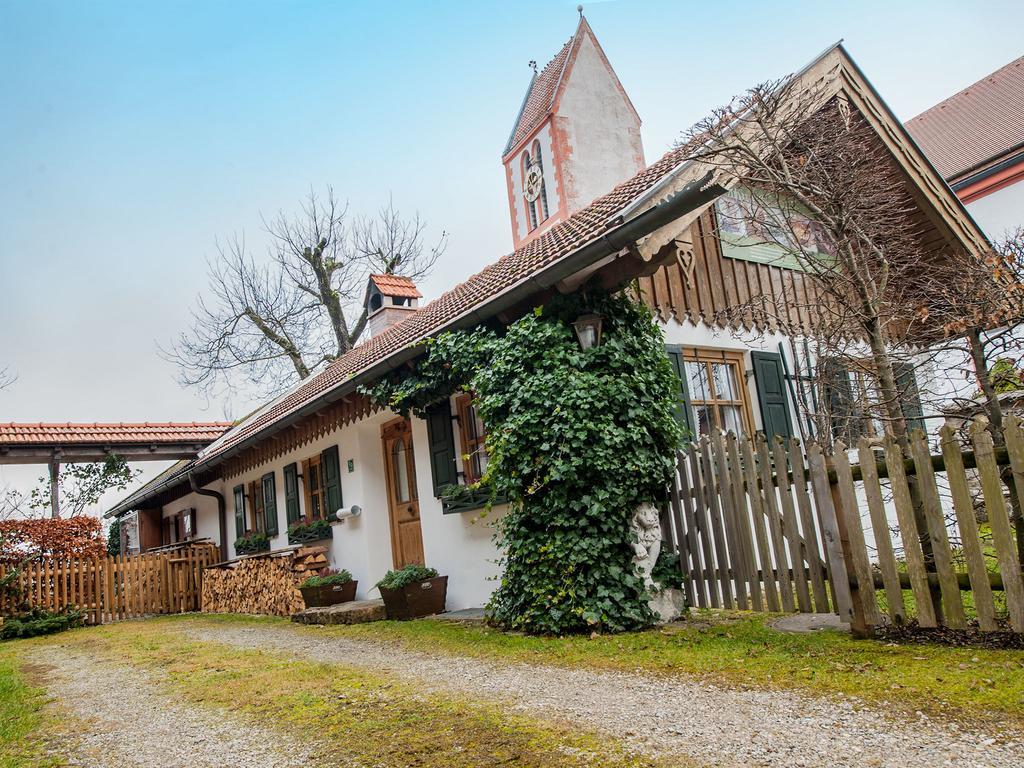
(583, 208)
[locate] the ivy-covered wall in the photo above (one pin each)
(576, 439)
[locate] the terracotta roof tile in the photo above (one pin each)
(979, 124)
(557, 242)
(396, 285)
(539, 97)
(147, 433)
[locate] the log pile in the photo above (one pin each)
(263, 584)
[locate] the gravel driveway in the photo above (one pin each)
(715, 725)
(120, 719)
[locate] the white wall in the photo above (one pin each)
(207, 524)
(457, 545)
(601, 131)
(1000, 211)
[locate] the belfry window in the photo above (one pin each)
(534, 192)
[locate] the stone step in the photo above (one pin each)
(352, 612)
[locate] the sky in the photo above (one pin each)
(133, 135)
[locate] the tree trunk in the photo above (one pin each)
(891, 400)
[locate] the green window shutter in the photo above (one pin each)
(910, 395)
(239, 492)
(331, 470)
(684, 410)
(441, 440)
(770, 379)
(845, 419)
(270, 503)
(291, 492)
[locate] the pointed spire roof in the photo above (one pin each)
(540, 94)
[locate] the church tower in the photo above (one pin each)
(577, 135)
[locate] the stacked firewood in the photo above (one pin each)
(265, 584)
(309, 560)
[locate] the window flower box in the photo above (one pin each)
(252, 544)
(304, 533)
(465, 498)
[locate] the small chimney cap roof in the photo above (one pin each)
(396, 285)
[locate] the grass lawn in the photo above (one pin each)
(354, 716)
(22, 717)
(741, 649)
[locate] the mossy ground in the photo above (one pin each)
(353, 716)
(742, 649)
(23, 717)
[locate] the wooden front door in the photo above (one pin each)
(403, 503)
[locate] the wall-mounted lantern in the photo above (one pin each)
(588, 330)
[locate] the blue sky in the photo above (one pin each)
(133, 134)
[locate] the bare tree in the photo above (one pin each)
(6, 378)
(975, 303)
(274, 321)
(813, 181)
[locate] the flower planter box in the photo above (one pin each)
(244, 547)
(424, 598)
(308, 536)
(466, 501)
(317, 597)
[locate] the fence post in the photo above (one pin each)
(841, 595)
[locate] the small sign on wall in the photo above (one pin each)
(351, 465)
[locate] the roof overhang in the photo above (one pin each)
(76, 453)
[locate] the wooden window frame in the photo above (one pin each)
(259, 523)
(309, 493)
(470, 443)
(707, 357)
(238, 492)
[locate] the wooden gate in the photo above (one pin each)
(112, 588)
(745, 527)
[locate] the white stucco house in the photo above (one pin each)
(583, 205)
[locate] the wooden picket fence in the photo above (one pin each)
(781, 527)
(113, 588)
(930, 585)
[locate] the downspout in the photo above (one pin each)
(222, 515)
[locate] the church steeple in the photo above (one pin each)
(576, 136)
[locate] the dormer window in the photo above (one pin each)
(535, 194)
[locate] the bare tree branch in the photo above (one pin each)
(273, 322)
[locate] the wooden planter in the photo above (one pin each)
(317, 597)
(424, 598)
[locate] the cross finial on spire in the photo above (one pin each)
(533, 66)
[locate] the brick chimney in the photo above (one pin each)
(389, 300)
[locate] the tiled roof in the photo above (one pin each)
(539, 97)
(396, 285)
(173, 472)
(120, 433)
(557, 242)
(979, 124)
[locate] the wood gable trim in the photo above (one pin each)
(944, 207)
(311, 428)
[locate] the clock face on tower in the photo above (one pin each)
(534, 181)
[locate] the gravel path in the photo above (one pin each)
(716, 725)
(120, 719)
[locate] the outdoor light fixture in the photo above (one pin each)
(588, 330)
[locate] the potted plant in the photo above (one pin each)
(413, 591)
(252, 543)
(304, 531)
(328, 587)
